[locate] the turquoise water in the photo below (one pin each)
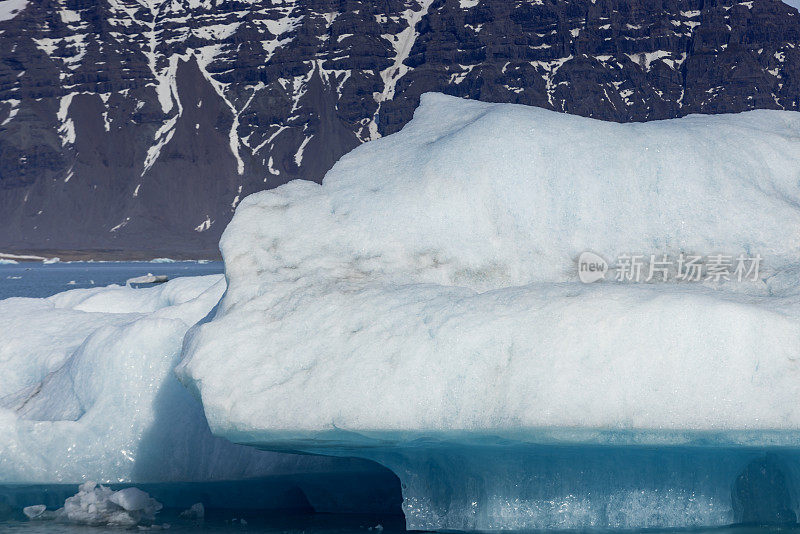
(34, 279)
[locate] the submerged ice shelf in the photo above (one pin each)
(421, 308)
(521, 486)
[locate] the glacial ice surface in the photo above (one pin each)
(421, 308)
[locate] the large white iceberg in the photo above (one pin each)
(422, 308)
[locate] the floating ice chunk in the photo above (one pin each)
(196, 512)
(134, 499)
(148, 278)
(98, 505)
(32, 512)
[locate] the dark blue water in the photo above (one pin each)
(315, 524)
(221, 521)
(34, 279)
(228, 521)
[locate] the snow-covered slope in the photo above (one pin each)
(428, 290)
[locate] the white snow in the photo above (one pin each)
(11, 8)
(550, 68)
(298, 157)
(66, 129)
(402, 43)
(125, 221)
(205, 225)
(14, 104)
(645, 59)
(167, 90)
(69, 16)
(429, 285)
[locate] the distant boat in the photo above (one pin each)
(149, 278)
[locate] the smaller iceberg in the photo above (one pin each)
(87, 392)
(148, 278)
(97, 505)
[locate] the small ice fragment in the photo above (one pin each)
(132, 499)
(149, 278)
(197, 511)
(98, 505)
(32, 512)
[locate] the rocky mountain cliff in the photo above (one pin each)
(136, 126)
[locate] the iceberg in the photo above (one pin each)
(98, 505)
(422, 308)
(87, 392)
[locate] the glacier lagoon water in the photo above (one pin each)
(230, 521)
(35, 279)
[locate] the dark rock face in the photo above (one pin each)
(138, 125)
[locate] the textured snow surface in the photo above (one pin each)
(87, 392)
(429, 285)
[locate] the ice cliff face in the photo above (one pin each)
(140, 125)
(421, 307)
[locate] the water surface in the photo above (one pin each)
(36, 279)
